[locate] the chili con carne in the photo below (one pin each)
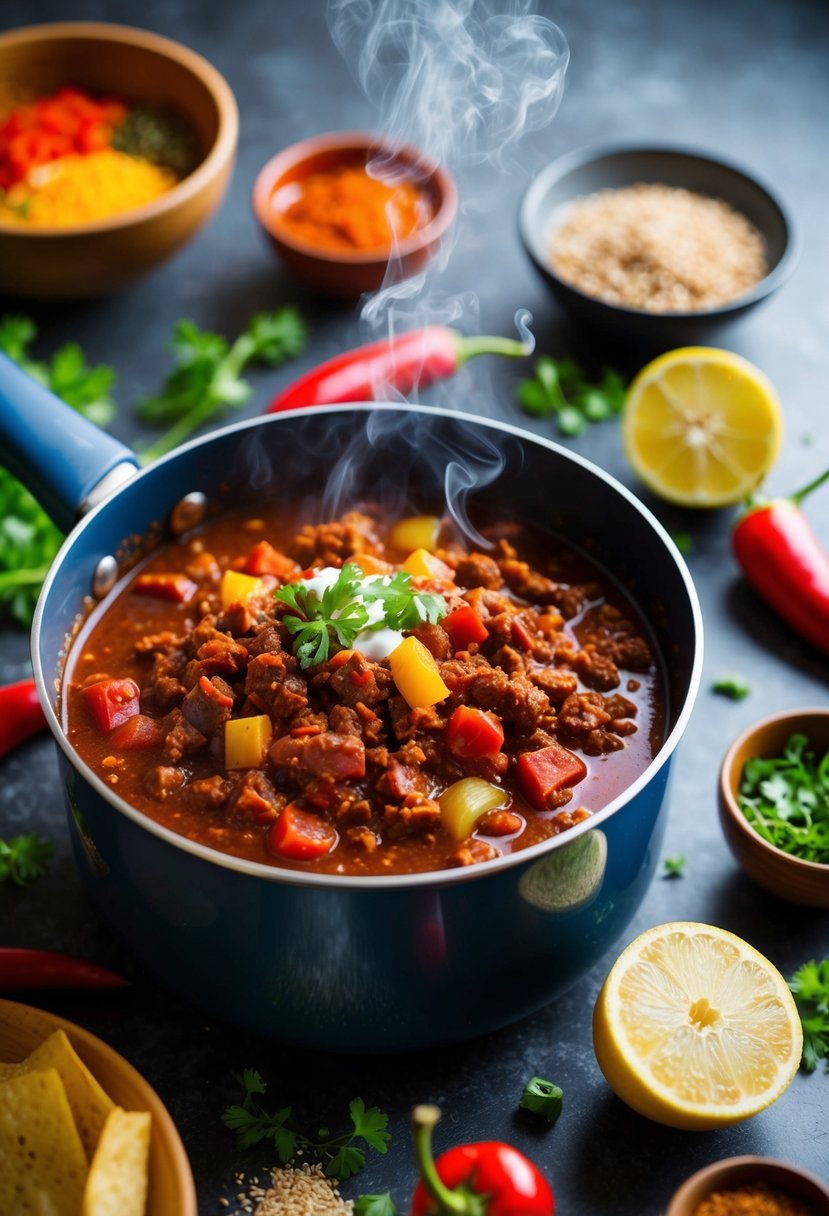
(410, 360)
(484, 1179)
(21, 715)
(784, 561)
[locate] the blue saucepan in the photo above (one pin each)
(336, 962)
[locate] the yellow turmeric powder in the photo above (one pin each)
(752, 1199)
(78, 189)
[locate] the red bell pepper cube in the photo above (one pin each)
(464, 627)
(300, 835)
(551, 768)
(175, 587)
(112, 702)
(473, 733)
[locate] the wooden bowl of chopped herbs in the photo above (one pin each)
(116, 146)
(774, 804)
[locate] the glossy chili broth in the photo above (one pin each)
(567, 664)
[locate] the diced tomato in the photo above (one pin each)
(464, 626)
(112, 701)
(550, 768)
(175, 587)
(264, 559)
(473, 733)
(300, 835)
(521, 634)
(137, 732)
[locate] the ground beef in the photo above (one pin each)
(182, 738)
(360, 681)
(478, 570)
(330, 544)
(163, 780)
(253, 798)
(274, 685)
(329, 755)
(513, 699)
(583, 712)
(208, 705)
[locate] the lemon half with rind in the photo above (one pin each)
(695, 1029)
(701, 426)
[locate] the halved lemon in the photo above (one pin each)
(694, 1028)
(701, 427)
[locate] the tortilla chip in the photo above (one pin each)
(43, 1160)
(117, 1182)
(87, 1101)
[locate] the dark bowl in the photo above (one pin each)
(790, 878)
(347, 274)
(588, 170)
(336, 961)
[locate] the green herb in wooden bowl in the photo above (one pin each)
(786, 800)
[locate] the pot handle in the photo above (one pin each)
(58, 454)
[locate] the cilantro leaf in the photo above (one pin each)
(370, 1125)
(24, 858)
(320, 623)
(673, 867)
(810, 988)
(346, 1162)
(375, 1205)
(206, 380)
(560, 387)
(733, 687)
(786, 799)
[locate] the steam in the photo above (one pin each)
(457, 78)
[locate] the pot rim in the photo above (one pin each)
(430, 878)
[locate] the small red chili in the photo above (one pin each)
(484, 1179)
(21, 714)
(408, 361)
(22, 969)
(784, 561)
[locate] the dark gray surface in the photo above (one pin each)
(744, 80)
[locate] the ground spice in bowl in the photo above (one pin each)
(657, 248)
(752, 1199)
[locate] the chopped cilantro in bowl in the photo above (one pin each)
(786, 799)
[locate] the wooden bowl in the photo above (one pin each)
(348, 273)
(790, 878)
(92, 258)
(743, 1171)
(171, 1187)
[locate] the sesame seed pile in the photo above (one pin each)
(657, 248)
(294, 1190)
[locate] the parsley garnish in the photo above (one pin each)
(207, 378)
(673, 867)
(560, 387)
(28, 538)
(335, 618)
(375, 1205)
(733, 687)
(24, 858)
(542, 1098)
(786, 800)
(810, 988)
(339, 1155)
(684, 541)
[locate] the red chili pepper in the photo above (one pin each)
(485, 1179)
(21, 714)
(784, 561)
(411, 360)
(22, 968)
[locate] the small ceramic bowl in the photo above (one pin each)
(171, 1186)
(92, 258)
(348, 273)
(790, 878)
(791, 1180)
(588, 170)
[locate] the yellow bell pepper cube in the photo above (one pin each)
(247, 741)
(416, 532)
(237, 587)
(416, 674)
(423, 564)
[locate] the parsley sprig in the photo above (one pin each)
(24, 858)
(206, 380)
(334, 619)
(340, 1155)
(786, 800)
(810, 988)
(560, 387)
